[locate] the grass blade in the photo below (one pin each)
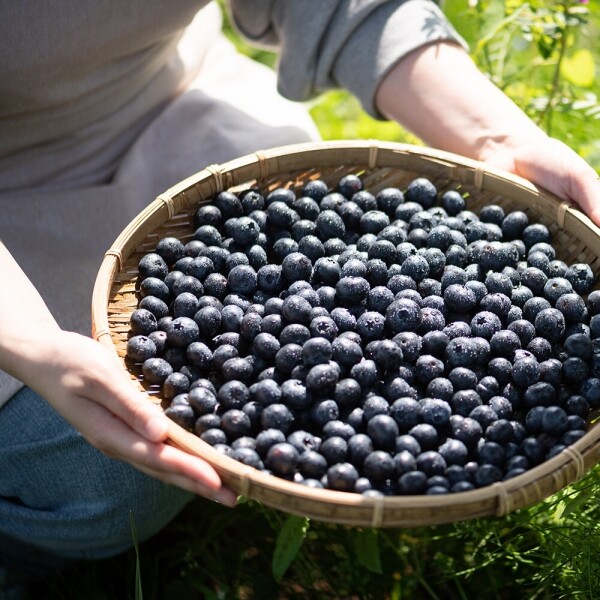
(138, 577)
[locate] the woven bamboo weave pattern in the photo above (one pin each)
(380, 165)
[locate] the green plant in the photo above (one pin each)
(542, 54)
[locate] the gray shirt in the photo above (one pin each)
(104, 105)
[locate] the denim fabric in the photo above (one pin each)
(61, 499)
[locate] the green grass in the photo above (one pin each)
(547, 551)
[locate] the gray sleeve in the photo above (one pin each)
(325, 44)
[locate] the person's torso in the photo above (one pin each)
(78, 80)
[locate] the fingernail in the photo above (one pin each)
(225, 497)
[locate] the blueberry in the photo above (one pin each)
(590, 390)
(152, 265)
(412, 483)
(312, 464)
(416, 267)
(215, 285)
(498, 283)
(329, 225)
(426, 435)
(282, 459)
(182, 331)
(378, 466)
(170, 249)
(573, 307)
(233, 394)
(463, 402)
(311, 246)
(182, 415)
(346, 352)
(231, 317)
(466, 430)
(453, 202)
(556, 287)
(485, 324)
(435, 412)
(370, 326)
(462, 378)
(323, 411)
(440, 388)
(323, 326)
(526, 372)
(156, 370)
(550, 324)
(505, 343)
(352, 290)
(461, 352)
(539, 394)
(342, 477)
(422, 191)
(497, 303)
(403, 315)
(434, 343)
(574, 370)
(581, 277)
(334, 449)
(492, 213)
(577, 405)
(539, 260)
(593, 302)
(428, 368)
(140, 348)
(487, 474)
(440, 238)
(203, 401)
(454, 452)
(235, 423)
(383, 430)
(535, 234)
(277, 416)
(535, 279)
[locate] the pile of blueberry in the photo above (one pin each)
(390, 343)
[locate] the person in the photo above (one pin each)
(105, 105)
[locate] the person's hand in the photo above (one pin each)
(555, 167)
(86, 384)
(438, 93)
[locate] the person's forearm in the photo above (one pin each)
(439, 94)
(25, 321)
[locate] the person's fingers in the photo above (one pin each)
(586, 194)
(223, 496)
(115, 438)
(110, 385)
(560, 170)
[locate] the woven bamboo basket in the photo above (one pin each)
(380, 165)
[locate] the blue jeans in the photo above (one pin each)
(62, 500)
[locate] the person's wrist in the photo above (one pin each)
(24, 351)
(505, 151)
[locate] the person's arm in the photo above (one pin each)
(86, 384)
(439, 94)
(404, 61)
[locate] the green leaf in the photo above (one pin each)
(366, 547)
(288, 544)
(579, 68)
(576, 502)
(138, 578)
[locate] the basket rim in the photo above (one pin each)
(503, 497)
